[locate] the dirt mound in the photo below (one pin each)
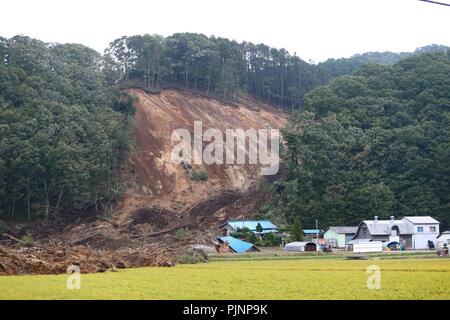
(155, 216)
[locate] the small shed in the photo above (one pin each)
(300, 246)
(295, 246)
(310, 247)
(237, 245)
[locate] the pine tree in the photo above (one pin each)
(297, 230)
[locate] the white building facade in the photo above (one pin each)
(412, 232)
(425, 229)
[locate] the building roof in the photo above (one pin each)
(384, 227)
(421, 219)
(344, 230)
(251, 224)
(237, 245)
(312, 231)
(296, 243)
(358, 241)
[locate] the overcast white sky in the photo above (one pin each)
(315, 29)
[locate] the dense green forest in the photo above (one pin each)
(221, 67)
(373, 141)
(63, 130)
(376, 142)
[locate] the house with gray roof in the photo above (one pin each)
(413, 232)
(338, 237)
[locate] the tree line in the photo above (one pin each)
(221, 67)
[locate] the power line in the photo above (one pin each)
(435, 2)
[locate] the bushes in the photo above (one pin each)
(180, 234)
(270, 239)
(267, 240)
(28, 241)
(200, 175)
(244, 234)
(192, 256)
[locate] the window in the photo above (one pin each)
(419, 229)
(394, 231)
(433, 229)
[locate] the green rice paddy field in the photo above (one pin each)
(409, 278)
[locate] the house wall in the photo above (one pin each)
(363, 232)
(406, 240)
(420, 239)
(330, 235)
(341, 240)
(369, 246)
(348, 237)
(445, 238)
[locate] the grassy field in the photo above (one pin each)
(410, 278)
(277, 254)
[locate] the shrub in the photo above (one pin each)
(270, 239)
(296, 230)
(28, 241)
(180, 234)
(192, 257)
(200, 175)
(253, 238)
(243, 234)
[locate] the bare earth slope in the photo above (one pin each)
(161, 197)
(150, 174)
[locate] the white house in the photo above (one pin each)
(424, 229)
(444, 238)
(411, 232)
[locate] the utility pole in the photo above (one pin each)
(317, 233)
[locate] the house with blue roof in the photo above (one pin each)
(233, 226)
(237, 245)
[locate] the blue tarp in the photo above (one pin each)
(393, 243)
(312, 231)
(237, 245)
(266, 225)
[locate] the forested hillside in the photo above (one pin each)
(221, 67)
(376, 142)
(63, 130)
(64, 122)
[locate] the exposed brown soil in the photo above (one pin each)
(161, 197)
